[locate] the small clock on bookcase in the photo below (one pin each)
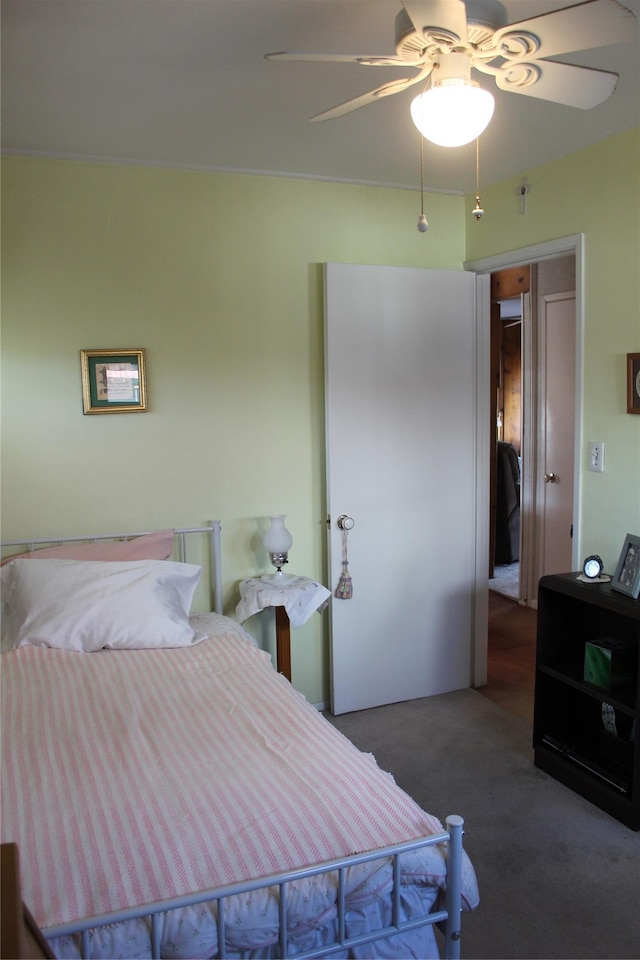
(592, 567)
(592, 570)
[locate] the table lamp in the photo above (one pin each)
(277, 542)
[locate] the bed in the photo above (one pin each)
(172, 795)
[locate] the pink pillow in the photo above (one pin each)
(150, 546)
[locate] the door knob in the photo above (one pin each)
(550, 478)
(344, 522)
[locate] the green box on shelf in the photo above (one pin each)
(609, 662)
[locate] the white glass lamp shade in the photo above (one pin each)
(277, 539)
(455, 109)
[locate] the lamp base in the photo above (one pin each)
(278, 579)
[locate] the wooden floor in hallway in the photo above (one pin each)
(511, 655)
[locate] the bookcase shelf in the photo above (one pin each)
(594, 752)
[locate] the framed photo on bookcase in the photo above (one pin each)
(626, 579)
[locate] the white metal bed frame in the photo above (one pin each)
(213, 529)
(447, 919)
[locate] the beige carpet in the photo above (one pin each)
(506, 580)
(558, 877)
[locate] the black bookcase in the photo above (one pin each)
(570, 738)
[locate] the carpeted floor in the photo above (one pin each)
(506, 580)
(558, 877)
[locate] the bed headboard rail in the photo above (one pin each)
(183, 540)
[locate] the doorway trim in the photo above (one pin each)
(547, 250)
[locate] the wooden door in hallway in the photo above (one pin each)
(555, 471)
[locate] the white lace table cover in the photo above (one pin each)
(300, 598)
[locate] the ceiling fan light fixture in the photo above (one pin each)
(454, 111)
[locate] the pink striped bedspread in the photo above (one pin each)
(133, 776)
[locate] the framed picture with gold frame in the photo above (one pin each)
(633, 383)
(113, 381)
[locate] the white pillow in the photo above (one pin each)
(88, 605)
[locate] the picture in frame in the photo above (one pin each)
(113, 381)
(626, 579)
(633, 383)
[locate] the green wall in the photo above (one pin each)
(218, 277)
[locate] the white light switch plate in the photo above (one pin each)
(596, 456)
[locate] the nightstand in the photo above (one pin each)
(294, 603)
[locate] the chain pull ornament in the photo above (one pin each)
(477, 210)
(423, 223)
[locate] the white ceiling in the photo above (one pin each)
(185, 83)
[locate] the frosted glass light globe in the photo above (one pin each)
(277, 539)
(452, 112)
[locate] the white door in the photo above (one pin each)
(555, 480)
(400, 377)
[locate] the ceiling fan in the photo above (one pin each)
(443, 39)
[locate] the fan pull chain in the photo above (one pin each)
(477, 210)
(423, 224)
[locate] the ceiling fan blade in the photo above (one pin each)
(368, 61)
(438, 15)
(560, 82)
(597, 23)
(386, 90)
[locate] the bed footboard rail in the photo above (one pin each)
(447, 917)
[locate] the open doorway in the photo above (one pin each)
(546, 251)
(510, 303)
(533, 443)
